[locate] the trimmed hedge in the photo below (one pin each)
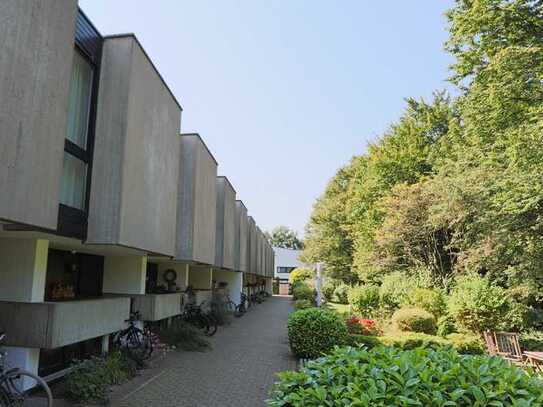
(463, 344)
(394, 377)
(313, 332)
(302, 291)
(303, 304)
(414, 320)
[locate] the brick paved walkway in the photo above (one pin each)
(238, 372)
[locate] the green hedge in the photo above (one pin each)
(313, 331)
(386, 376)
(464, 344)
(414, 320)
(302, 291)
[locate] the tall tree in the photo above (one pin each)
(285, 238)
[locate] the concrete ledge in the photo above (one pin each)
(51, 325)
(155, 307)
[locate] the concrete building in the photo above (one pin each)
(101, 196)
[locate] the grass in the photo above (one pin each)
(341, 309)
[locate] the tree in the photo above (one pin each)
(285, 238)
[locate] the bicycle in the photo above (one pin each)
(22, 388)
(241, 309)
(137, 343)
(194, 315)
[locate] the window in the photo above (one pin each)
(76, 158)
(285, 270)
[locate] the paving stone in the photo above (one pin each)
(238, 372)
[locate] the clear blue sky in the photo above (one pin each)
(285, 92)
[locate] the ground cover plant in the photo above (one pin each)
(387, 376)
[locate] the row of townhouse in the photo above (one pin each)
(101, 196)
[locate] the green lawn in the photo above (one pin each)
(341, 309)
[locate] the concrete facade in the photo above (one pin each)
(225, 225)
(197, 197)
(286, 259)
(240, 237)
(36, 52)
(252, 245)
(136, 158)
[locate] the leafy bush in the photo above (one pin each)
(414, 320)
(91, 379)
(393, 377)
(328, 288)
(303, 292)
(478, 305)
(300, 275)
(341, 294)
(394, 290)
(531, 341)
(364, 299)
(428, 299)
(314, 331)
(303, 304)
(464, 344)
(446, 325)
(183, 335)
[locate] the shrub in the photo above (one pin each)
(300, 275)
(313, 332)
(531, 341)
(362, 326)
(303, 304)
(414, 320)
(341, 294)
(303, 292)
(428, 299)
(393, 377)
(394, 289)
(364, 299)
(183, 335)
(90, 380)
(446, 325)
(478, 305)
(464, 344)
(328, 288)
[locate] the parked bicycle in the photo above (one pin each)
(241, 309)
(22, 388)
(194, 315)
(137, 343)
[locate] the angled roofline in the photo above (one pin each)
(203, 142)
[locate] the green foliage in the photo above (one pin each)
(446, 325)
(303, 292)
(431, 300)
(364, 299)
(414, 320)
(531, 341)
(90, 380)
(463, 344)
(303, 304)
(313, 332)
(394, 290)
(285, 238)
(341, 294)
(300, 275)
(328, 289)
(477, 305)
(182, 335)
(392, 377)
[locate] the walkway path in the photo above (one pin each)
(238, 372)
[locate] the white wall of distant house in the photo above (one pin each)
(286, 258)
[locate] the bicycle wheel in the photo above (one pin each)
(139, 345)
(22, 388)
(211, 324)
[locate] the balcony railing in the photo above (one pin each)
(155, 307)
(51, 325)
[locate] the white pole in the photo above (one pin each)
(319, 284)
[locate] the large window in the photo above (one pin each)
(76, 158)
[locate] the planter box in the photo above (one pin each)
(51, 325)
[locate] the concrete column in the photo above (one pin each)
(269, 285)
(23, 268)
(105, 344)
(124, 274)
(234, 280)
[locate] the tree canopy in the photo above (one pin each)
(285, 238)
(455, 186)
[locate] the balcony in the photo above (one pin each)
(155, 307)
(51, 325)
